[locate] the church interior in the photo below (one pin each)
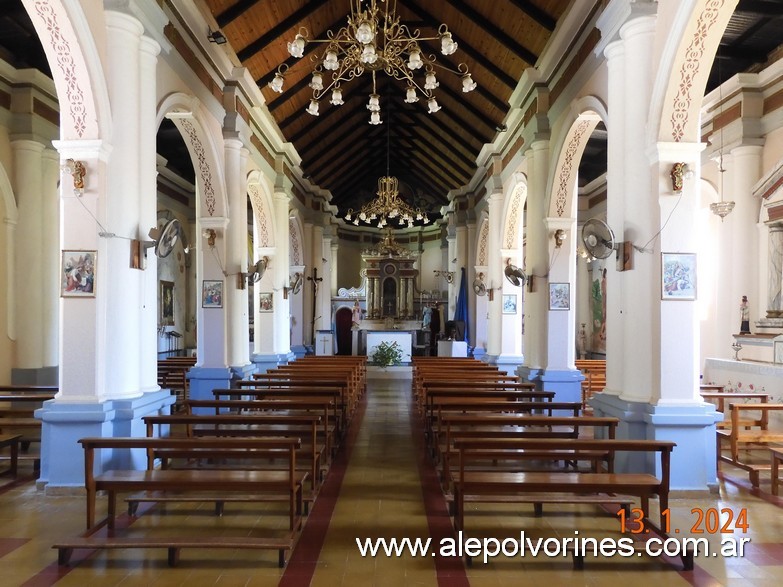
(279, 278)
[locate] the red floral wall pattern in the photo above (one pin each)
(566, 175)
(260, 214)
(191, 134)
(295, 248)
(694, 54)
(483, 240)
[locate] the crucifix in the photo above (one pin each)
(324, 340)
(315, 281)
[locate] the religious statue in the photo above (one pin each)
(426, 318)
(744, 316)
(581, 342)
(356, 315)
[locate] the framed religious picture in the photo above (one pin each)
(559, 296)
(77, 274)
(166, 298)
(509, 304)
(265, 302)
(678, 276)
(211, 294)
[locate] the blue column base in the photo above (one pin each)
(532, 374)
(299, 350)
(266, 362)
(64, 423)
(567, 384)
(243, 371)
(204, 379)
(479, 352)
(691, 426)
(509, 363)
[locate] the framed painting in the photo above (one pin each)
(166, 298)
(559, 296)
(265, 302)
(211, 294)
(678, 276)
(509, 304)
(77, 274)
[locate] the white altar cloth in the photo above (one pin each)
(376, 337)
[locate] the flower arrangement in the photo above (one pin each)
(387, 354)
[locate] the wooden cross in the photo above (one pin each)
(324, 340)
(315, 281)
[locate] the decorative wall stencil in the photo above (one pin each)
(259, 211)
(295, 251)
(565, 178)
(514, 217)
(483, 240)
(197, 148)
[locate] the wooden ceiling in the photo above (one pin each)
(431, 154)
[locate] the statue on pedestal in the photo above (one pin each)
(581, 342)
(744, 316)
(356, 315)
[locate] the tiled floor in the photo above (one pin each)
(382, 485)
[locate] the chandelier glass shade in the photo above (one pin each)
(375, 41)
(387, 207)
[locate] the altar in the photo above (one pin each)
(404, 339)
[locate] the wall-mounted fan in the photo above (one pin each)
(514, 274)
(164, 239)
(479, 287)
(598, 238)
(256, 272)
(294, 285)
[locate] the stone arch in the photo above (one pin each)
(513, 215)
(690, 42)
(261, 201)
(68, 42)
(482, 243)
(295, 251)
(563, 183)
(188, 116)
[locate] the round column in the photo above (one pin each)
(50, 261)
(536, 301)
(281, 332)
(775, 269)
(494, 342)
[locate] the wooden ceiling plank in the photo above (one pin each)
(425, 121)
(460, 160)
(474, 54)
(232, 13)
(760, 7)
(523, 52)
(445, 159)
(537, 14)
(279, 29)
(348, 157)
(329, 143)
(478, 114)
(326, 115)
(449, 179)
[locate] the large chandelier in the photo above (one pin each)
(387, 207)
(375, 41)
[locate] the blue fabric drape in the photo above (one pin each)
(461, 313)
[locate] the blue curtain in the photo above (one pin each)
(461, 313)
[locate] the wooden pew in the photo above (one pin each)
(249, 483)
(720, 399)
(546, 485)
(11, 442)
(747, 434)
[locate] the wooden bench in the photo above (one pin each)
(560, 487)
(483, 426)
(720, 399)
(245, 482)
(11, 441)
(777, 457)
(747, 434)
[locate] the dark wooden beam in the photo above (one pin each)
(316, 149)
(276, 31)
(449, 179)
(462, 103)
(337, 164)
(355, 94)
(760, 7)
(474, 54)
(425, 120)
(496, 33)
(232, 13)
(429, 147)
(537, 14)
(459, 160)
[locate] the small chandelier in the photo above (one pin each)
(374, 40)
(721, 208)
(387, 207)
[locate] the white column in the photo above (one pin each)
(281, 332)
(122, 286)
(334, 262)
(325, 288)
(618, 326)
(236, 254)
(642, 217)
(310, 304)
(469, 262)
(494, 342)
(28, 187)
(148, 212)
(212, 344)
(561, 339)
(742, 175)
(536, 301)
(452, 266)
(322, 320)
(50, 250)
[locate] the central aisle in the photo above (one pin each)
(380, 497)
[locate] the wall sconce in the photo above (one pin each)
(679, 172)
(447, 275)
(216, 37)
(210, 235)
(560, 236)
(77, 171)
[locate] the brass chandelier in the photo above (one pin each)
(387, 206)
(375, 41)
